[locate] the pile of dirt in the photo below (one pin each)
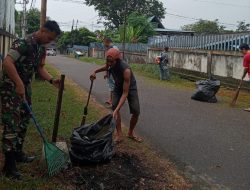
(127, 170)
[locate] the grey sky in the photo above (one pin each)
(227, 11)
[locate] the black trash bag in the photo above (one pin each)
(206, 90)
(93, 143)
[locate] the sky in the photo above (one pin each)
(179, 12)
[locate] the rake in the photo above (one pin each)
(56, 159)
(235, 97)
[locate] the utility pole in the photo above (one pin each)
(76, 23)
(43, 12)
(74, 33)
(42, 22)
(24, 19)
(72, 27)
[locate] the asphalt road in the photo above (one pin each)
(208, 142)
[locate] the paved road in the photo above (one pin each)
(208, 142)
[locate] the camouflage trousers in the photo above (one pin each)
(15, 119)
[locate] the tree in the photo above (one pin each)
(242, 26)
(18, 23)
(114, 12)
(82, 36)
(138, 29)
(33, 21)
(205, 27)
(64, 40)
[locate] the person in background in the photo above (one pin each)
(164, 65)
(108, 43)
(244, 48)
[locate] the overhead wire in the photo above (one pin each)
(223, 3)
(197, 19)
(71, 1)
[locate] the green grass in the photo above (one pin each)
(93, 60)
(44, 103)
(90, 60)
(152, 74)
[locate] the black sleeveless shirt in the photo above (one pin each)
(117, 72)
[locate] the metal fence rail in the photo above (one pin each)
(224, 42)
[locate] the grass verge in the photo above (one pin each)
(144, 169)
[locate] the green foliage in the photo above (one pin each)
(82, 36)
(64, 40)
(138, 29)
(33, 21)
(243, 26)
(114, 12)
(205, 27)
(18, 23)
(141, 27)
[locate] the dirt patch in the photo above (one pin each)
(129, 169)
(125, 171)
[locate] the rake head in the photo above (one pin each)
(55, 158)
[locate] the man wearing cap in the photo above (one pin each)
(125, 88)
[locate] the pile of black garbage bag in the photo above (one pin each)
(206, 90)
(93, 143)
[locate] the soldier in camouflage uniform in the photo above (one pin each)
(25, 57)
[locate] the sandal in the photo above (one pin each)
(107, 102)
(136, 139)
(247, 109)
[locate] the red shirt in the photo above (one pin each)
(246, 62)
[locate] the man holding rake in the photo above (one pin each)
(25, 57)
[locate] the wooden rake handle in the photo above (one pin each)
(85, 111)
(58, 109)
(235, 97)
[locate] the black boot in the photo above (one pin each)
(9, 169)
(20, 155)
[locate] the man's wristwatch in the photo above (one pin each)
(51, 80)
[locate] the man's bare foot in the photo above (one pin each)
(118, 139)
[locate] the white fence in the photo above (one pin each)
(224, 42)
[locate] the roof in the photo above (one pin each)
(162, 30)
(172, 30)
(156, 19)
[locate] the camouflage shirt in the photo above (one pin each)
(27, 54)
